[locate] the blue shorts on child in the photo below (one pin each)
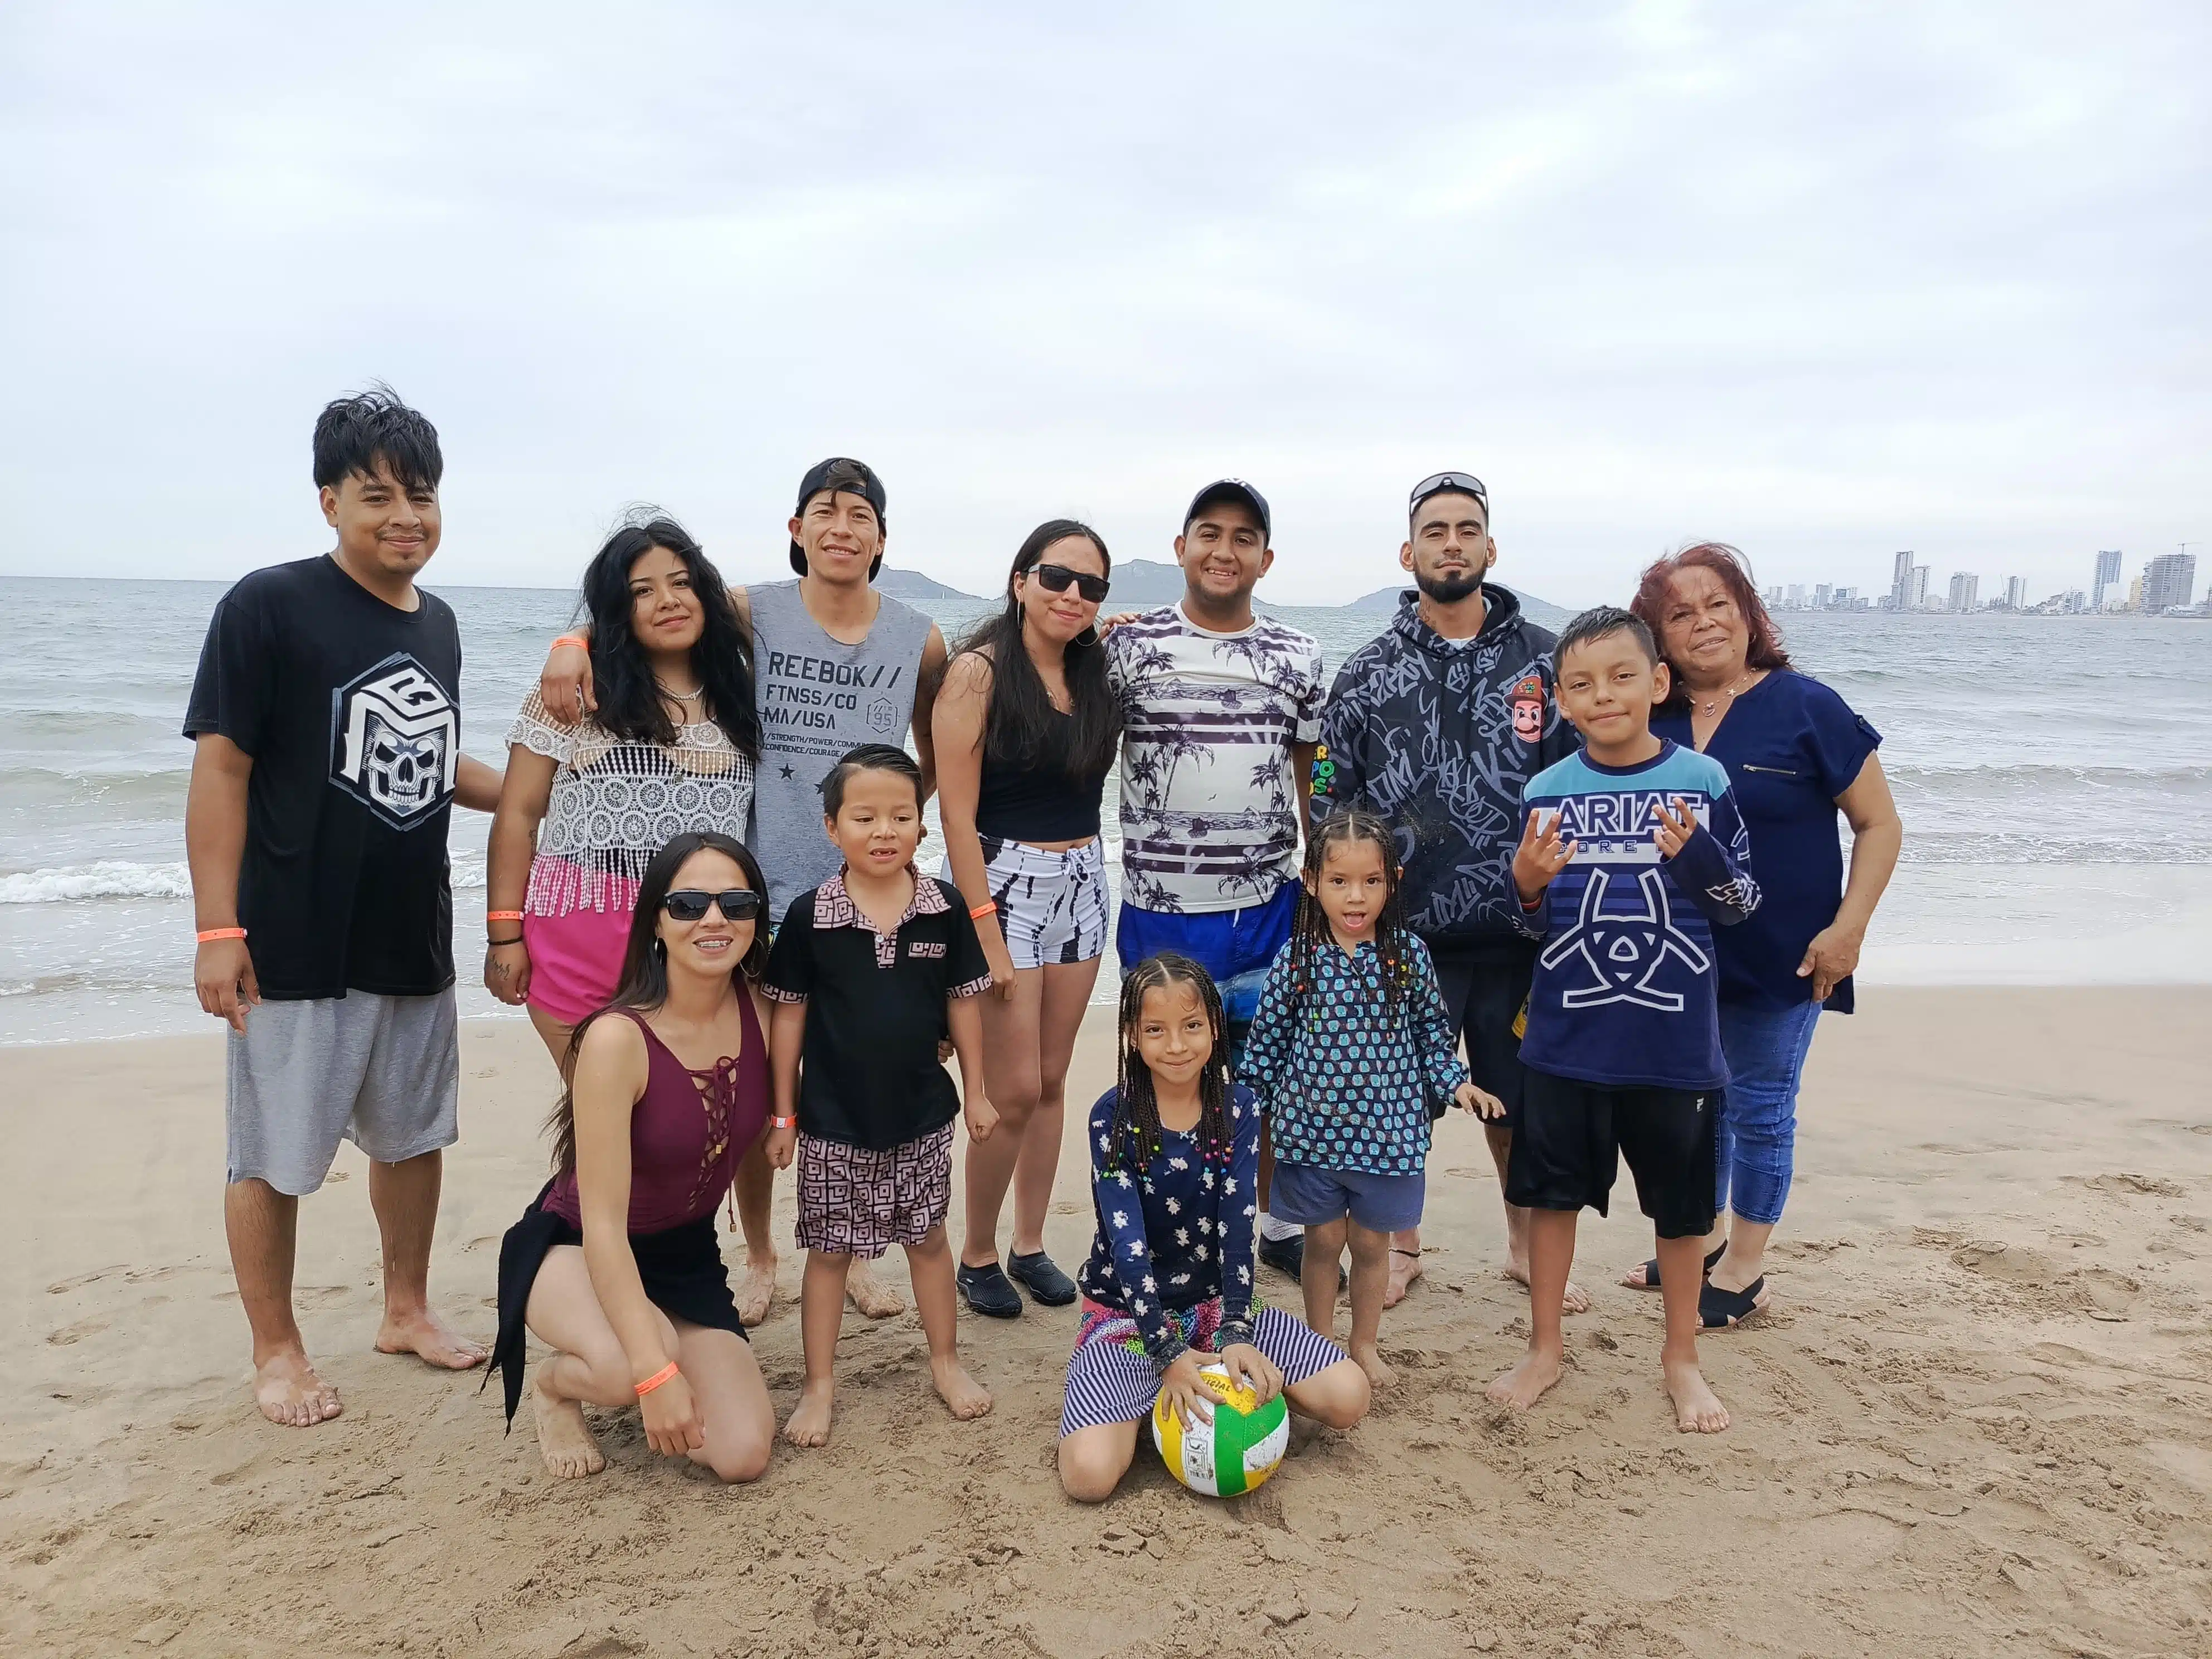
(1307, 1195)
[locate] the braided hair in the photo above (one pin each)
(1136, 1108)
(1309, 931)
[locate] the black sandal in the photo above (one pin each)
(1723, 1311)
(1652, 1268)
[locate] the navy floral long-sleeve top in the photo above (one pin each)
(1345, 1075)
(1176, 1231)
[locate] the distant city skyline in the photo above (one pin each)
(2165, 582)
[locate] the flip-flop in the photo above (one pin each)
(1723, 1310)
(1651, 1268)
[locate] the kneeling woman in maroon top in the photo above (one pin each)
(615, 1266)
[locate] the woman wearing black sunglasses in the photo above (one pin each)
(615, 1265)
(1025, 729)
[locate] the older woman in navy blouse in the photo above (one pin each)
(1799, 759)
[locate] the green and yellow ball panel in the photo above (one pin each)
(1236, 1452)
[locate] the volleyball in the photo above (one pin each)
(1236, 1452)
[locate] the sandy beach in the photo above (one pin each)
(1978, 1421)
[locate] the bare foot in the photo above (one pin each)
(963, 1397)
(1379, 1376)
(871, 1294)
(571, 1451)
(1697, 1409)
(1405, 1268)
(289, 1393)
(756, 1290)
(809, 1422)
(423, 1334)
(1576, 1299)
(1528, 1382)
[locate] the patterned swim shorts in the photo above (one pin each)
(856, 1201)
(1111, 1379)
(1052, 906)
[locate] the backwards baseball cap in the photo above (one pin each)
(1233, 489)
(1448, 483)
(839, 473)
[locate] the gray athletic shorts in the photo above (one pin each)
(384, 1072)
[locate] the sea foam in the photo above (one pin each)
(108, 878)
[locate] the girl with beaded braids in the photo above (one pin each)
(1350, 1045)
(1175, 1160)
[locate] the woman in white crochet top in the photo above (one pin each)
(671, 748)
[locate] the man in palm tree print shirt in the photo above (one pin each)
(1221, 711)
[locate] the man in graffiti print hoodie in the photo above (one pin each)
(1436, 725)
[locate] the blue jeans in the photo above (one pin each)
(1755, 1138)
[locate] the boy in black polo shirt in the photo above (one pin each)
(868, 969)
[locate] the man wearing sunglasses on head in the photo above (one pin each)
(835, 664)
(1220, 712)
(1435, 726)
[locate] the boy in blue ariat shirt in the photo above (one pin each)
(1632, 852)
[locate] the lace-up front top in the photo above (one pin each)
(616, 802)
(686, 1132)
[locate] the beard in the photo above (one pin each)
(1447, 590)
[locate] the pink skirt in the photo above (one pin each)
(575, 960)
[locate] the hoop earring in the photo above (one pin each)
(1088, 637)
(660, 948)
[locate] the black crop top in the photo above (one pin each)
(1040, 801)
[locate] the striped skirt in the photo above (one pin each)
(1111, 1379)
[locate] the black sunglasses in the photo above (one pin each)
(689, 904)
(1438, 483)
(1055, 577)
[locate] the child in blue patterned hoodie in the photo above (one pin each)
(1350, 1043)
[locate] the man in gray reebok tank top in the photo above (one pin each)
(819, 696)
(835, 664)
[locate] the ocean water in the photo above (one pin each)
(2054, 775)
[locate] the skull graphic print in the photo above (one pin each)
(396, 741)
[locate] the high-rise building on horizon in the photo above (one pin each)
(1796, 600)
(2015, 593)
(1900, 581)
(2169, 580)
(1916, 589)
(1820, 596)
(1964, 586)
(2108, 576)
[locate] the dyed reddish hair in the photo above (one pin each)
(1734, 571)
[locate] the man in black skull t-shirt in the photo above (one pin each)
(326, 717)
(349, 708)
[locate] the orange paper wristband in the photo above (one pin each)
(576, 640)
(502, 916)
(215, 933)
(985, 908)
(657, 1379)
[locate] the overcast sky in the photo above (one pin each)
(1824, 281)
